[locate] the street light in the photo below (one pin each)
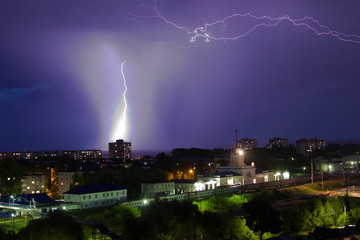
(241, 152)
(12, 216)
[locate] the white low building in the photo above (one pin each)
(96, 195)
(151, 190)
(221, 179)
(237, 165)
(265, 175)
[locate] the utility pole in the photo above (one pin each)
(312, 170)
(236, 140)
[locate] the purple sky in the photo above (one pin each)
(60, 79)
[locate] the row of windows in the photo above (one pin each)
(161, 186)
(105, 195)
(107, 202)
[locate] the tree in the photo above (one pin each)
(354, 216)
(293, 221)
(130, 178)
(53, 185)
(224, 226)
(115, 218)
(262, 218)
(174, 219)
(10, 177)
(56, 225)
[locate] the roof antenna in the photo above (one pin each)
(236, 131)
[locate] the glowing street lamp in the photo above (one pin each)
(241, 152)
(12, 216)
(145, 201)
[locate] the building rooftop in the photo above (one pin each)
(93, 188)
(24, 199)
(183, 181)
(221, 174)
(227, 173)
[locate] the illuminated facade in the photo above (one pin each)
(120, 149)
(278, 143)
(222, 179)
(246, 144)
(348, 163)
(264, 175)
(306, 147)
(76, 154)
(65, 181)
(151, 190)
(33, 183)
(237, 165)
(96, 195)
(184, 186)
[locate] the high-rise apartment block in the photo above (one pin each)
(120, 149)
(306, 147)
(278, 143)
(73, 154)
(246, 144)
(66, 179)
(33, 183)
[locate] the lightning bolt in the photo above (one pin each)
(207, 32)
(120, 128)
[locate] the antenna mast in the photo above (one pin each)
(236, 131)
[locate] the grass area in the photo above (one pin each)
(317, 188)
(10, 224)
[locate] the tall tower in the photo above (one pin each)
(237, 158)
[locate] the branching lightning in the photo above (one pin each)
(120, 126)
(209, 32)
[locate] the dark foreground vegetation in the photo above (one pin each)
(232, 217)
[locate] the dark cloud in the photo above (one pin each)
(60, 84)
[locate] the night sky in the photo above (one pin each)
(61, 82)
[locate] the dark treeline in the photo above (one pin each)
(277, 159)
(183, 220)
(130, 178)
(342, 148)
(188, 153)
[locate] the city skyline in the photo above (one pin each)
(279, 69)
